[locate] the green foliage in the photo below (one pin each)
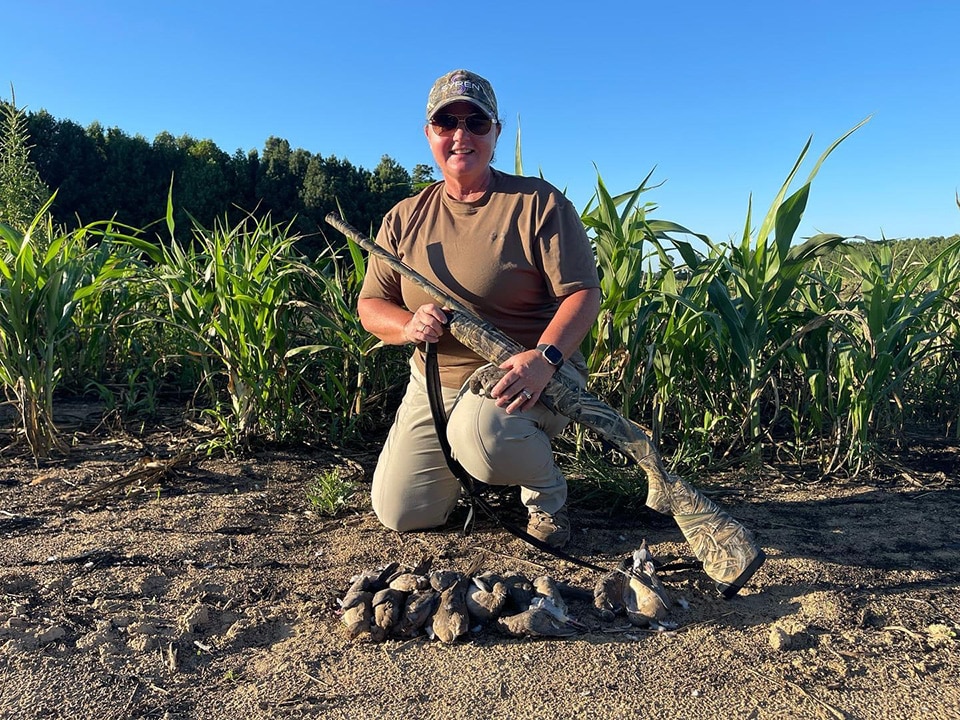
(601, 477)
(22, 192)
(330, 493)
(354, 374)
(388, 184)
(886, 333)
(744, 340)
(421, 177)
(233, 293)
(115, 353)
(275, 338)
(46, 273)
(820, 348)
(44, 276)
(751, 297)
(936, 384)
(616, 353)
(105, 173)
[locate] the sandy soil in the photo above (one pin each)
(211, 592)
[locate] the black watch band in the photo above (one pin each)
(552, 354)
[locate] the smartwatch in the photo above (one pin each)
(551, 354)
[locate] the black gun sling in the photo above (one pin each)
(470, 484)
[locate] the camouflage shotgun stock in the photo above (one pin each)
(727, 550)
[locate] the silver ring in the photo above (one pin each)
(527, 394)
(423, 327)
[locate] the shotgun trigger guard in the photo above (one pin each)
(484, 378)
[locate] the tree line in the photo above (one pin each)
(100, 173)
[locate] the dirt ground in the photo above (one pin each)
(210, 591)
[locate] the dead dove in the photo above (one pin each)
(387, 605)
(451, 619)
(361, 582)
(520, 591)
(408, 579)
(440, 580)
(548, 598)
(373, 580)
(486, 597)
(423, 567)
(357, 612)
(535, 621)
(416, 612)
(409, 582)
(546, 587)
(644, 596)
(608, 593)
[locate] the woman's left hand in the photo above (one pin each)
(527, 375)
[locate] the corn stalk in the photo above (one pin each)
(44, 275)
(894, 325)
(233, 293)
(751, 292)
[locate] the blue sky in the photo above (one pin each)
(718, 97)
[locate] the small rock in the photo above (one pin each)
(238, 628)
(197, 618)
(143, 643)
(51, 634)
(109, 606)
(789, 634)
(17, 623)
(58, 585)
(103, 634)
(19, 645)
(142, 628)
(153, 585)
(780, 639)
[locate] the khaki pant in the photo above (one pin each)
(414, 489)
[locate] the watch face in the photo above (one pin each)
(552, 354)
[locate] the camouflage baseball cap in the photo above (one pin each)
(462, 85)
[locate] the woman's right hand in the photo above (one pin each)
(425, 325)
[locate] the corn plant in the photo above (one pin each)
(894, 325)
(939, 380)
(233, 294)
(352, 373)
(648, 337)
(750, 290)
(807, 384)
(109, 345)
(688, 396)
(44, 275)
(625, 246)
(47, 275)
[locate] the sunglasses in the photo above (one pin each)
(475, 123)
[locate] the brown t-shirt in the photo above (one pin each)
(510, 257)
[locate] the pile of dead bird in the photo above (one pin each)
(403, 602)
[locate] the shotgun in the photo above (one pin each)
(726, 549)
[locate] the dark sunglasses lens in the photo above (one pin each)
(478, 124)
(445, 122)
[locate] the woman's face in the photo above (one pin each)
(461, 155)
